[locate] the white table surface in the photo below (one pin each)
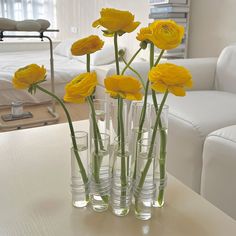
(35, 195)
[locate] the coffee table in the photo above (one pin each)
(35, 195)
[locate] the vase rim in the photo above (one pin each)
(80, 134)
(104, 136)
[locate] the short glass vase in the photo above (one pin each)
(79, 189)
(121, 179)
(144, 186)
(100, 176)
(160, 170)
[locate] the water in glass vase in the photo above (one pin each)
(121, 182)
(79, 189)
(100, 180)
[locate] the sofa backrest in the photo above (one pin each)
(226, 70)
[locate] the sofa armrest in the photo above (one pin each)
(202, 70)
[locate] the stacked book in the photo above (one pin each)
(177, 10)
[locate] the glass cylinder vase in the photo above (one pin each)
(101, 111)
(138, 127)
(160, 169)
(121, 179)
(79, 188)
(145, 183)
(100, 176)
(113, 120)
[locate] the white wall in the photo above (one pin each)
(70, 14)
(212, 23)
(212, 26)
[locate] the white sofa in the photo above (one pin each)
(218, 173)
(209, 106)
(193, 117)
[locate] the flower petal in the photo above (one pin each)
(177, 91)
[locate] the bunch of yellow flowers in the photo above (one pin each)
(164, 78)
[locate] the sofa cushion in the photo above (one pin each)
(205, 110)
(191, 119)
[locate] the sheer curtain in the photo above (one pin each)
(28, 9)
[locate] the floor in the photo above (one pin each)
(77, 112)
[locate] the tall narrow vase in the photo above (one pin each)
(139, 128)
(79, 189)
(145, 183)
(100, 176)
(121, 180)
(160, 170)
(113, 120)
(101, 108)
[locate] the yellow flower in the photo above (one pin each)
(124, 86)
(116, 21)
(80, 87)
(164, 34)
(172, 77)
(87, 45)
(28, 75)
(144, 34)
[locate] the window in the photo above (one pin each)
(29, 9)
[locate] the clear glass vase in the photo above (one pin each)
(145, 183)
(100, 176)
(121, 179)
(113, 120)
(79, 189)
(160, 169)
(101, 108)
(139, 128)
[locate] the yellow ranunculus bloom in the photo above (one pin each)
(116, 21)
(124, 86)
(87, 45)
(172, 77)
(144, 34)
(80, 87)
(28, 75)
(164, 34)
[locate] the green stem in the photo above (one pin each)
(150, 152)
(91, 99)
(151, 55)
(117, 72)
(88, 62)
(122, 149)
(116, 53)
(162, 162)
(136, 72)
(121, 136)
(159, 57)
(122, 144)
(151, 65)
(75, 148)
(141, 123)
(131, 60)
(153, 92)
(93, 115)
